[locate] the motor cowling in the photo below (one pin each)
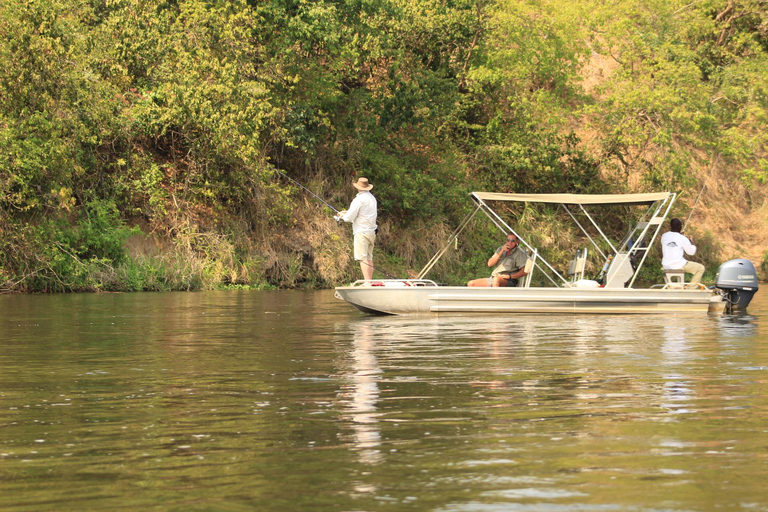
(738, 281)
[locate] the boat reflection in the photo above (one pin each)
(738, 325)
(585, 358)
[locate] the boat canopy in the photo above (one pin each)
(620, 262)
(628, 199)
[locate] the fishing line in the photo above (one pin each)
(378, 270)
(693, 208)
(709, 174)
(312, 193)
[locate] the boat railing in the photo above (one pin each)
(679, 286)
(393, 283)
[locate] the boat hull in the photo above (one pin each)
(460, 299)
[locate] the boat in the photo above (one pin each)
(613, 291)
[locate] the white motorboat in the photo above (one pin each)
(612, 291)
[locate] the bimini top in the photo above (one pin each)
(629, 199)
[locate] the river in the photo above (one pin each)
(295, 401)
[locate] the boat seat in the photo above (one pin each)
(530, 264)
(577, 266)
(674, 278)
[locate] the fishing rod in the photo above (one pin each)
(312, 193)
(336, 217)
(693, 208)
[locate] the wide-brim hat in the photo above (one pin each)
(362, 184)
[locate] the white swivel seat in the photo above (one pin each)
(674, 278)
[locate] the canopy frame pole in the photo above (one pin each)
(652, 209)
(598, 229)
(499, 222)
(585, 231)
(454, 236)
(669, 201)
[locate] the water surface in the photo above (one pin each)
(294, 401)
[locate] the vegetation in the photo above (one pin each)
(141, 143)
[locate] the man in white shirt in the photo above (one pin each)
(674, 246)
(362, 215)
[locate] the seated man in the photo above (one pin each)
(510, 259)
(674, 245)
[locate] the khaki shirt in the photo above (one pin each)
(512, 262)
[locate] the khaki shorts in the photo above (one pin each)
(364, 246)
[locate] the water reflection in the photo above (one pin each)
(361, 395)
(678, 393)
(738, 325)
(547, 387)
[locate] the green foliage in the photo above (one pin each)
(529, 77)
(101, 233)
(174, 115)
(539, 162)
(66, 253)
(690, 81)
(764, 266)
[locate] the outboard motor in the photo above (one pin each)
(737, 279)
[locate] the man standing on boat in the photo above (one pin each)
(510, 259)
(362, 215)
(674, 246)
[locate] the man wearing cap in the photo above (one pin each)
(362, 215)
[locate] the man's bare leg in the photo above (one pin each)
(367, 267)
